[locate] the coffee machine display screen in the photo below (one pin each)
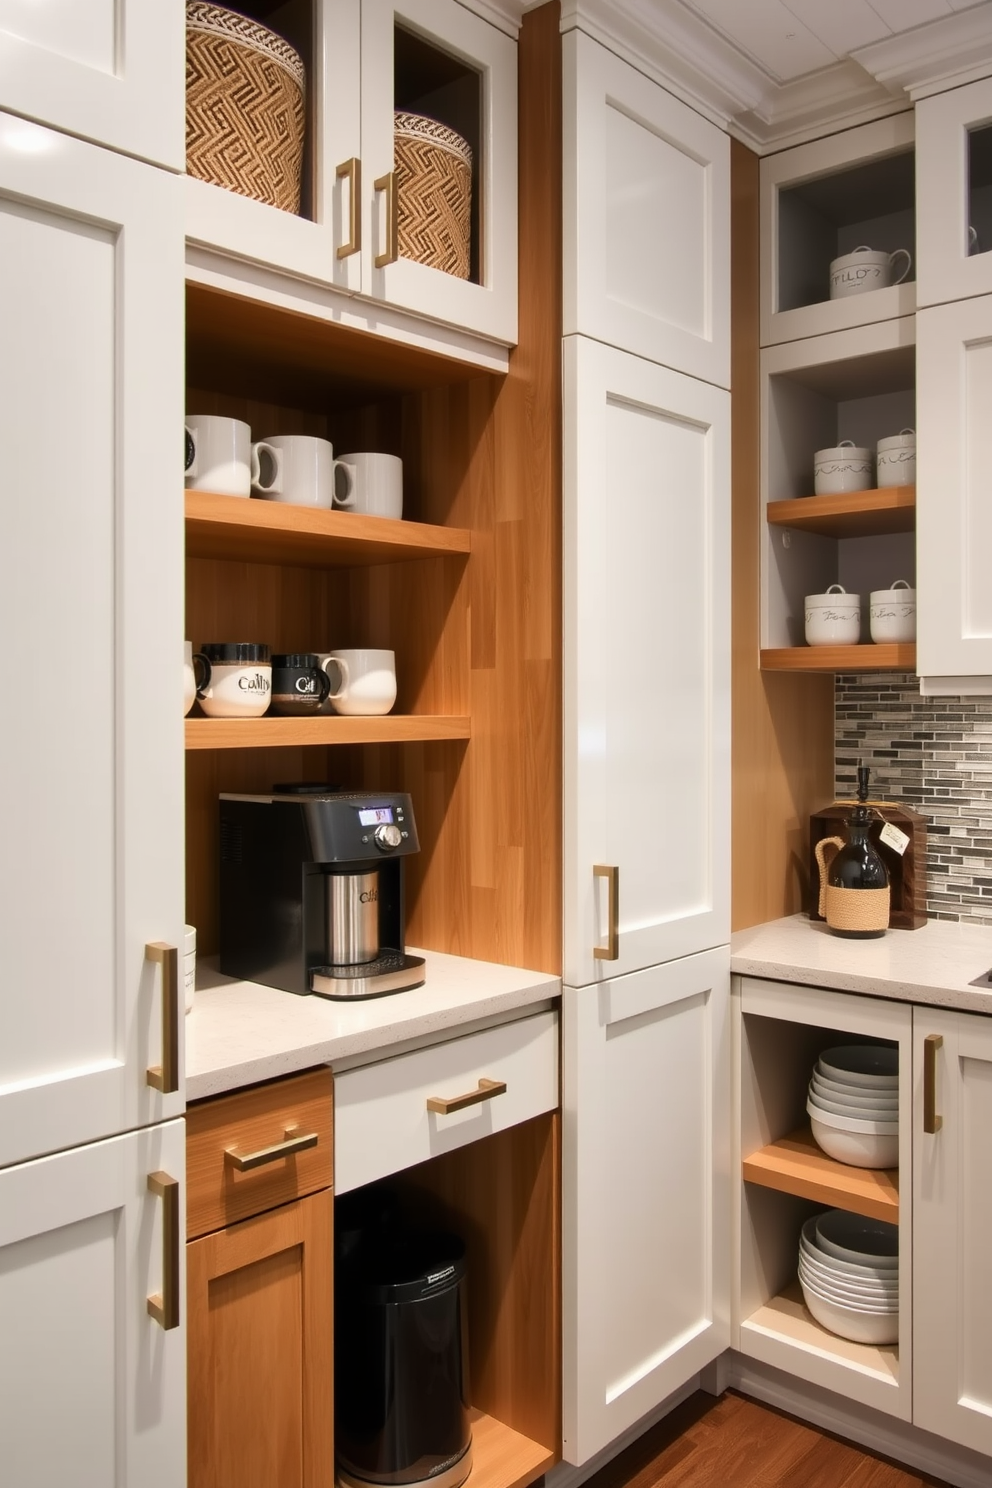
(374, 815)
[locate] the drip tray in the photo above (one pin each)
(391, 971)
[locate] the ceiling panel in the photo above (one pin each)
(771, 34)
(842, 25)
(903, 15)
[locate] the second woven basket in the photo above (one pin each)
(433, 194)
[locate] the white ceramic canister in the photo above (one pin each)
(896, 459)
(834, 618)
(844, 467)
(189, 965)
(892, 614)
(866, 269)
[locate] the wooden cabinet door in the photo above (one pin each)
(953, 193)
(645, 1192)
(954, 496)
(646, 212)
(111, 71)
(261, 1350)
(483, 89)
(952, 1218)
(92, 1388)
(646, 648)
(91, 580)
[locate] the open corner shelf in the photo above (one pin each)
(786, 1319)
(252, 531)
(889, 657)
(502, 1458)
(796, 1165)
(282, 733)
(855, 514)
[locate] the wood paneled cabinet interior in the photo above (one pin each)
(954, 184)
(109, 71)
(260, 1294)
(365, 59)
(637, 160)
(92, 560)
(645, 1192)
(92, 1384)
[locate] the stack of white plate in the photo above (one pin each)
(849, 1273)
(853, 1104)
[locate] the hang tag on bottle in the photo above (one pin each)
(892, 837)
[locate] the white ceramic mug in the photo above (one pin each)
(864, 269)
(896, 459)
(189, 678)
(363, 680)
(234, 679)
(844, 467)
(377, 488)
(892, 616)
(833, 618)
(218, 454)
(189, 966)
(296, 468)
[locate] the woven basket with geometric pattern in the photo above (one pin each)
(245, 90)
(433, 194)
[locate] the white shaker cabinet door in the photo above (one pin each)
(954, 194)
(111, 71)
(91, 565)
(645, 1192)
(646, 653)
(952, 1220)
(646, 205)
(92, 1386)
(954, 497)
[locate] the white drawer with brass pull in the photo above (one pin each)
(398, 1112)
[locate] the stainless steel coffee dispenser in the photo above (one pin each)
(311, 890)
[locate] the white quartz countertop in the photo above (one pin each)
(239, 1033)
(932, 965)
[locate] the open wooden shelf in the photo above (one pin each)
(502, 1458)
(888, 657)
(855, 514)
(786, 1318)
(276, 733)
(796, 1165)
(255, 531)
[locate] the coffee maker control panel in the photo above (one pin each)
(388, 837)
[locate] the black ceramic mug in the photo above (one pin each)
(299, 684)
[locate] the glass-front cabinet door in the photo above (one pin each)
(954, 189)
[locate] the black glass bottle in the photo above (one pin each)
(857, 864)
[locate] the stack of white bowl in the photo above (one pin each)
(849, 1273)
(853, 1104)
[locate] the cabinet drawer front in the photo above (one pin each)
(246, 1126)
(382, 1121)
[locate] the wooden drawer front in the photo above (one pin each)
(247, 1123)
(382, 1122)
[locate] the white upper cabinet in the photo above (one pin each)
(646, 203)
(646, 651)
(954, 497)
(365, 59)
(111, 71)
(645, 1192)
(91, 610)
(92, 1385)
(954, 185)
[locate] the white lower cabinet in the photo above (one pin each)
(645, 1192)
(92, 1386)
(952, 1181)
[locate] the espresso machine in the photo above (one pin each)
(311, 890)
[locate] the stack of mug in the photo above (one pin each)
(299, 469)
(242, 679)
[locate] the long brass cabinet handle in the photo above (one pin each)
(486, 1090)
(165, 1076)
(932, 1120)
(611, 950)
(387, 184)
(352, 171)
(164, 1305)
(293, 1141)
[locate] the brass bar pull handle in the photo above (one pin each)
(486, 1090)
(611, 950)
(164, 1305)
(352, 169)
(932, 1120)
(387, 184)
(293, 1142)
(165, 1076)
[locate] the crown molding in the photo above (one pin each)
(942, 54)
(823, 102)
(505, 15)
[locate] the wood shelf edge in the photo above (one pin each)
(800, 510)
(282, 733)
(502, 1457)
(889, 657)
(796, 1165)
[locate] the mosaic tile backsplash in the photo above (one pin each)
(934, 755)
